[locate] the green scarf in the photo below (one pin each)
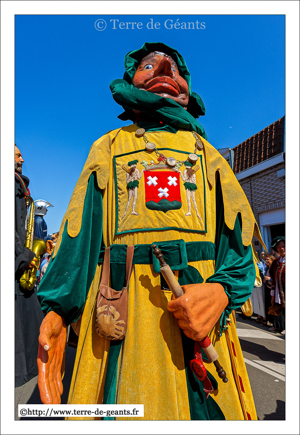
(159, 109)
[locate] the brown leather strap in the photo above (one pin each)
(106, 267)
(129, 257)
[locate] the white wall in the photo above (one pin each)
(268, 218)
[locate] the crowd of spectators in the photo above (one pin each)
(268, 300)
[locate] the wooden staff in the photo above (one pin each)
(177, 291)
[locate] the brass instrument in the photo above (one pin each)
(38, 246)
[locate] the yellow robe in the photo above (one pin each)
(151, 363)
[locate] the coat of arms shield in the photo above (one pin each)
(162, 190)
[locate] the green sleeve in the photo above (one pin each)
(234, 269)
(66, 283)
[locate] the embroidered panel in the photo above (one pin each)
(151, 194)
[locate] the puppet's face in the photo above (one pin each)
(159, 74)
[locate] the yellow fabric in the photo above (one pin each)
(151, 366)
(235, 403)
(92, 351)
(247, 308)
(101, 147)
(234, 198)
(173, 218)
(152, 352)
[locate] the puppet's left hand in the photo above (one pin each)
(199, 309)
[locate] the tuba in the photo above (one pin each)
(38, 246)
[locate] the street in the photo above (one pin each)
(264, 354)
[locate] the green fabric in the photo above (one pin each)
(163, 205)
(132, 184)
(190, 186)
(117, 275)
(174, 253)
(191, 274)
(200, 407)
(158, 108)
(171, 250)
(111, 377)
(65, 286)
(234, 267)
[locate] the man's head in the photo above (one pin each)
(158, 73)
(41, 207)
(269, 259)
(18, 160)
(278, 244)
(280, 247)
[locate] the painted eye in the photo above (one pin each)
(149, 66)
(173, 69)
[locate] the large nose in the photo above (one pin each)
(163, 68)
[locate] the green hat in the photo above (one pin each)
(133, 162)
(276, 240)
(196, 106)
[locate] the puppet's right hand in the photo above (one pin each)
(52, 341)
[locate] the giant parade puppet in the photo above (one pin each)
(156, 185)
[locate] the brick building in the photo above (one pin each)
(259, 165)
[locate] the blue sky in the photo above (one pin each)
(64, 65)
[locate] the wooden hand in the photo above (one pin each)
(52, 341)
(199, 309)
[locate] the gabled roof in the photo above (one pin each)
(262, 146)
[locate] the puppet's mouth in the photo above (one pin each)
(163, 85)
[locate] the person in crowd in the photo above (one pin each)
(45, 259)
(274, 253)
(277, 274)
(151, 365)
(54, 237)
(40, 226)
(263, 257)
(258, 298)
(28, 313)
(269, 258)
(44, 266)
